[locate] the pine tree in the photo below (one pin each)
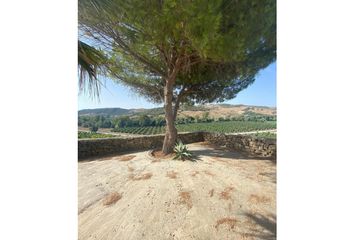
(177, 52)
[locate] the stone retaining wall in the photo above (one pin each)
(260, 147)
(252, 146)
(104, 146)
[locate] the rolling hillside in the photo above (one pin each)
(220, 110)
(104, 111)
(215, 111)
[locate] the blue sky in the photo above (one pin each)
(261, 93)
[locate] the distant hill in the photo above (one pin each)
(228, 110)
(105, 111)
(215, 110)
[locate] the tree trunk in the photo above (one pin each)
(171, 131)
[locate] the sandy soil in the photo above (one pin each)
(222, 195)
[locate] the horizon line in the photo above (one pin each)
(194, 105)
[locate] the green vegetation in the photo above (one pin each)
(94, 135)
(143, 120)
(182, 153)
(94, 128)
(223, 127)
(100, 121)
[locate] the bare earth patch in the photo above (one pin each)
(231, 222)
(211, 193)
(111, 199)
(209, 173)
(255, 199)
(126, 158)
(143, 176)
(220, 160)
(185, 198)
(171, 174)
(156, 160)
(229, 207)
(160, 155)
(153, 204)
(226, 193)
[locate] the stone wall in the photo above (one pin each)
(252, 146)
(260, 147)
(104, 146)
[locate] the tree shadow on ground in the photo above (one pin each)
(265, 227)
(195, 158)
(270, 175)
(226, 153)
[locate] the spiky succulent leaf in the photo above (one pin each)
(182, 151)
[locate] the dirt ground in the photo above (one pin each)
(221, 195)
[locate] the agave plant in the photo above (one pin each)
(181, 151)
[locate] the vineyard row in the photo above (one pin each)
(222, 127)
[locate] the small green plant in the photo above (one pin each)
(182, 152)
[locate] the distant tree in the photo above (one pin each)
(122, 122)
(190, 119)
(205, 116)
(79, 122)
(197, 119)
(144, 120)
(94, 128)
(153, 122)
(106, 123)
(182, 52)
(160, 121)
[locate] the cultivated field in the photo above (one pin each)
(222, 127)
(221, 195)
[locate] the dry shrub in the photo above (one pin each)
(141, 177)
(255, 199)
(231, 222)
(160, 155)
(171, 174)
(111, 198)
(194, 173)
(156, 160)
(211, 192)
(226, 193)
(185, 198)
(126, 158)
(209, 173)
